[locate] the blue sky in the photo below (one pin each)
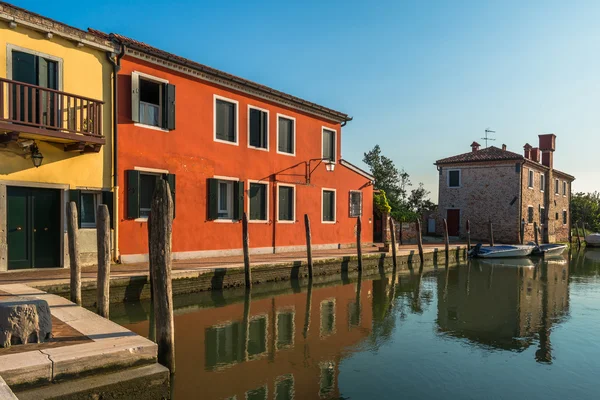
(421, 79)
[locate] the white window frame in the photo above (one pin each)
(260, 221)
(459, 178)
(230, 190)
(149, 171)
(250, 107)
(323, 334)
(237, 120)
(283, 378)
(161, 81)
(350, 203)
(542, 182)
(266, 318)
(530, 179)
(533, 215)
(334, 206)
(285, 310)
(96, 202)
(277, 208)
(323, 129)
(293, 134)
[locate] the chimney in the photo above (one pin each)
(475, 146)
(503, 147)
(527, 153)
(547, 147)
(535, 154)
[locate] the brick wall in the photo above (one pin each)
(486, 192)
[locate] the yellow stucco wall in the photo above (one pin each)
(85, 72)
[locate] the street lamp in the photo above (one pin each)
(36, 156)
(329, 166)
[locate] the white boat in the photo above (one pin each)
(549, 250)
(503, 251)
(592, 240)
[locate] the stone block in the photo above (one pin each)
(24, 320)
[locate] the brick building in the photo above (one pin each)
(503, 187)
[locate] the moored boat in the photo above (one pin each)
(592, 240)
(503, 251)
(549, 250)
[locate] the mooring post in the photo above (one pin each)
(522, 231)
(491, 228)
(446, 240)
(72, 234)
(468, 235)
(308, 246)
(103, 240)
(420, 240)
(393, 229)
(246, 244)
(535, 233)
(160, 260)
(358, 244)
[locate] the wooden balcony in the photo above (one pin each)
(34, 112)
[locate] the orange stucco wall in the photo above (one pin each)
(190, 152)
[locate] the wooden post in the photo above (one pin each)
(103, 240)
(308, 246)
(308, 309)
(358, 244)
(160, 260)
(522, 231)
(468, 235)
(246, 244)
(420, 240)
(535, 233)
(446, 240)
(393, 228)
(73, 233)
(491, 228)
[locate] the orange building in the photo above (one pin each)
(228, 146)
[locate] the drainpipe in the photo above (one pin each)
(346, 121)
(116, 68)
(521, 201)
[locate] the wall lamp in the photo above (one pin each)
(329, 166)
(36, 155)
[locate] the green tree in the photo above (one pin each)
(419, 200)
(585, 207)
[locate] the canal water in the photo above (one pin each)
(518, 329)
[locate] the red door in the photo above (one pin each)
(453, 218)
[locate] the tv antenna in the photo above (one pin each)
(486, 138)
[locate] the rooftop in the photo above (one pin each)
(491, 153)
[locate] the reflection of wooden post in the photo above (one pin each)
(358, 244)
(491, 228)
(308, 246)
(420, 240)
(149, 223)
(103, 240)
(307, 311)
(393, 228)
(358, 296)
(446, 240)
(160, 259)
(578, 237)
(73, 233)
(246, 244)
(522, 231)
(468, 235)
(246, 323)
(535, 233)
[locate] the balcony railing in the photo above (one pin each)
(38, 110)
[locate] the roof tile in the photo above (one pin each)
(491, 153)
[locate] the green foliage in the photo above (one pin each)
(585, 207)
(380, 202)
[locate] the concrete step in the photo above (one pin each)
(141, 383)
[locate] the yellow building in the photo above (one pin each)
(55, 137)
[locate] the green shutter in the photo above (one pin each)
(75, 195)
(213, 199)
(169, 107)
(238, 200)
(135, 97)
(107, 198)
(172, 182)
(133, 194)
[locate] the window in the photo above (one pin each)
(327, 317)
(258, 199)
(328, 205)
(226, 120)
(284, 387)
(285, 329)
(225, 199)
(88, 209)
(355, 203)
(564, 188)
(286, 204)
(258, 128)
(328, 144)
(286, 135)
(530, 182)
(140, 189)
(542, 182)
(564, 217)
(556, 186)
(257, 336)
(542, 215)
(223, 345)
(454, 178)
(530, 215)
(152, 101)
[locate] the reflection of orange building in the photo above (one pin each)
(275, 347)
(526, 302)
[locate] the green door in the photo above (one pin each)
(33, 228)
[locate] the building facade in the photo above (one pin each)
(55, 137)
(510, 190)
(229, 146)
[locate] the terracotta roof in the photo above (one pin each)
(491, 153)
(143, 47)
